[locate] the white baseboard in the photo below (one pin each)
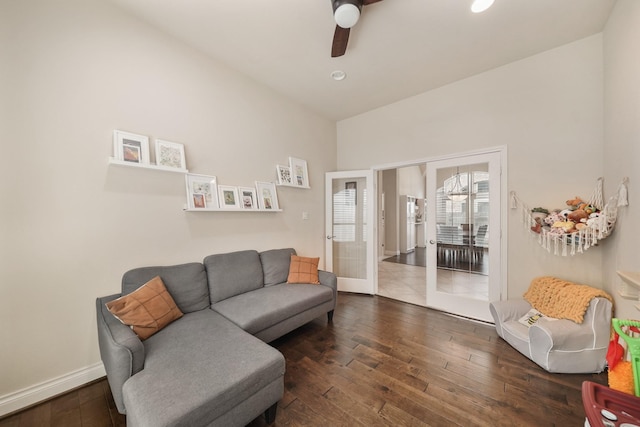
(37, 393)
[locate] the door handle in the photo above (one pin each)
(433, 242)
(330, 237)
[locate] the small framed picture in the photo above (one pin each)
(130, 147)
(170, 154)
(202, 191)
(267, 196)
(228, 196)
(284, 175)
(247, 198)
(299, 173)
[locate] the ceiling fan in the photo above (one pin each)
(346, 13)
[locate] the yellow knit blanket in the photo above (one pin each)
(558, 298)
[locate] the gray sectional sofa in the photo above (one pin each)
(212, 366)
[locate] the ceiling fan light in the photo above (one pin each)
(346, 15)
(481, 5)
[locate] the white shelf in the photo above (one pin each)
(114, 161)
(627, 295)
(630, 277)
(306, 187)
(229, 210)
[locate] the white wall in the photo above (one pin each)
(72, 72)
(622, 142)
(411, 182)
(548, 111)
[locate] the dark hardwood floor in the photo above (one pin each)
(382, 362)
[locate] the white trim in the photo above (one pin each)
(45, 390)
(402, 164)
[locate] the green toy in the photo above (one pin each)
(633, 346)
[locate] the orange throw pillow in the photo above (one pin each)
(303, 270)
(146, 310)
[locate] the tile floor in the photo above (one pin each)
(408, 283)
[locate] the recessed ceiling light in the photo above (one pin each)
(338, 75)
(481, 5)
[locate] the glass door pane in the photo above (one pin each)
(459, 279)
(350, 227)
(349, 230)
(462, 200)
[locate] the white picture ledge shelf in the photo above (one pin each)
(631, 288)
(114, 161)
(229, 210)
(305, 187)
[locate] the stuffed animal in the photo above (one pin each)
(581, 225)
(565, 226)
(574, 203)
(554, 217)
(577, 215)
(595, 220)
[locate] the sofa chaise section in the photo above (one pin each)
(193, 377)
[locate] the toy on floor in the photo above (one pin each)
(633, 347)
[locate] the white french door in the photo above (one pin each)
(349, 229)
(464, 234)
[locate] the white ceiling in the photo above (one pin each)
(398, 49)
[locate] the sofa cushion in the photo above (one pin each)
(233, 273)
(275, 265)
(187, 283)
(197, 369)
(263, 308)
(146, 310)
(303, 270)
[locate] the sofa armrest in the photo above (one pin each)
(507, 310)
(329, 279)
(121, 350)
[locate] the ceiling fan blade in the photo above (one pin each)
(340, 40)
(366, 2)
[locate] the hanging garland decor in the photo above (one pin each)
(577, 227)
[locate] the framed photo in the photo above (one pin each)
(352, 192)
(299, 173)
(170, 154)
(247, 196)
(284, 175)
(130, 147)
(267, 196)
(228, 197)
(202, 191)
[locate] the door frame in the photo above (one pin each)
(370, 284)
(502, 149)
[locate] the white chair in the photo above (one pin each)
(557, 345)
